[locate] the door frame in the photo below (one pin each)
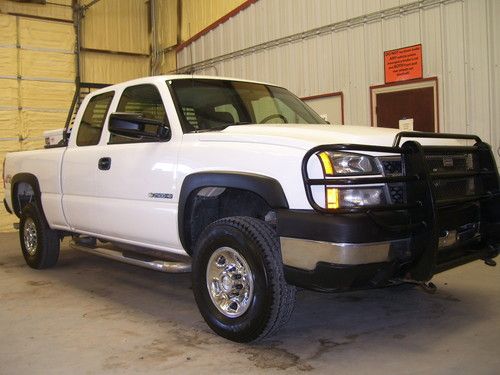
(404, 86)
(327, 95)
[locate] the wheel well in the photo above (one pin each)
(208, 204)
(23, 193)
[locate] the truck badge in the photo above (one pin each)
(160, 195)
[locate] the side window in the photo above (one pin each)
(141, 99)
(90, 129)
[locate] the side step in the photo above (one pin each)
(153, 264)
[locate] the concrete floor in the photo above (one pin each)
(92, 315)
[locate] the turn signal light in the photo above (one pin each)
(332, 198)
(327, 163)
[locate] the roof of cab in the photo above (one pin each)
(163, 78)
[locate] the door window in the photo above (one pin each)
(93, 118)
(141, 99)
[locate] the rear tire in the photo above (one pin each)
(238, 279)
(40, 244)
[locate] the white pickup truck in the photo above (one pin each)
(247, 184)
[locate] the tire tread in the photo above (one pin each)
(49, 239)
(283, 293)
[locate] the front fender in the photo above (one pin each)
(267, 188)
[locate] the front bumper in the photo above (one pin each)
(306, 254)
(338, 259)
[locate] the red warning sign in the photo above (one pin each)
(403, 64)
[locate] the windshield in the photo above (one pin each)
(209, 105)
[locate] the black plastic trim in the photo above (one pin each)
(482, 253)
(266, 187)
(333, 277)
(349, 228)
(6, 206)
(28, 178)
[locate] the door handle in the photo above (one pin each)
(104, 164)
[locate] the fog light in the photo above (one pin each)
(361, 197)
(354, 197)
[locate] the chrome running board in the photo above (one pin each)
(152, 264)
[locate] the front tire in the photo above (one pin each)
(40, 244)
(238, 279)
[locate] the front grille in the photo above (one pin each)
(444, 166)
(452, 162)
(456, 188)
(393, 166)
(397, 193)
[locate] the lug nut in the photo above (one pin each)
(233, 306)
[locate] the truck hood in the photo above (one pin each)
(308, 136)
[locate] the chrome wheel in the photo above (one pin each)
(229, 282)
(30, 236)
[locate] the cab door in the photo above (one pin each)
(80, 165)
(136, 186)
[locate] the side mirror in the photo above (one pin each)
(134, 125)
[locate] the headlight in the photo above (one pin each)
(342, 163)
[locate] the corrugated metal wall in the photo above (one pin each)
(36, 58)
(269, 41)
